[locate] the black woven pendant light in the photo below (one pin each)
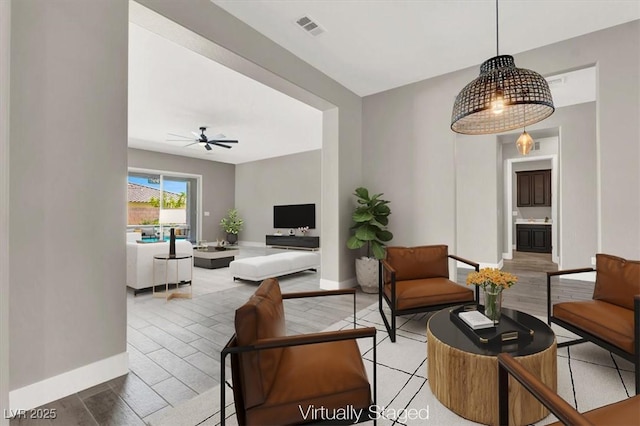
(501, 97)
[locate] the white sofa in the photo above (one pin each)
(275, 265)
(140, 264)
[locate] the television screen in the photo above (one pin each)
(294, 216)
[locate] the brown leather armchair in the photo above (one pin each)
(625, 412)
(283, 380)
(611, 319)
(416, 279)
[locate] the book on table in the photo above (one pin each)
(475, 319)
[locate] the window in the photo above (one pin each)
(157, 202)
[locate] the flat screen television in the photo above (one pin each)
(294, 216)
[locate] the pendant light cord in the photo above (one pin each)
(497, 32)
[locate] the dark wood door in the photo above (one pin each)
(523, 238)
(534, 188)
(524, 189)
(533, 238)
(541, 188)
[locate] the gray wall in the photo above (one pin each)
(218, 184)
(5, 60)
(68, 156)
(477, 198)
(617, 57)
(243, 49)
(408, 149)
(291, 179)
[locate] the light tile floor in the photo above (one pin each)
(174, 347)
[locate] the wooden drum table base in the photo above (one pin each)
(467, 382)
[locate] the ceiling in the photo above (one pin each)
(368, 46)
(175, 90)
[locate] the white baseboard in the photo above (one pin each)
(507, 256)
(65, 384)
(581, 276)
(338, 285)
(482, 265)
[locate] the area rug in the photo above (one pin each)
(403, 388)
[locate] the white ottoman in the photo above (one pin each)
(275, 265)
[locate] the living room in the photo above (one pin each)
(77, 317)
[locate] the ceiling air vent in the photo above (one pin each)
(309, 26)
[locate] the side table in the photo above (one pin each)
(464, 376)
(176, 293)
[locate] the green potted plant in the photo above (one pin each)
(232, 225)
(371, 218)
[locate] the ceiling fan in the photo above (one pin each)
(202, 139)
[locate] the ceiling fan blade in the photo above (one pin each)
(193, 143)
(218, 136)
(219, 144)
(207, 147)
(179, 140)
(196, 134)
(181, 136)
(222, 140)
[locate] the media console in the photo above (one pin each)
(292, 241)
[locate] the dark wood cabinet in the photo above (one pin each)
(292, 241)
(534, 238)
(534, 188)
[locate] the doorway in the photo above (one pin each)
(548, 216)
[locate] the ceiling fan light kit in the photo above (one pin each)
(502, 98)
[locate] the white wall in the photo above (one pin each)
(291, 179)
(68, 140)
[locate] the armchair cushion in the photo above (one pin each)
(301, 384)
(609, 322)
(413, 263)
(261, 317)
(426, 292)
(617, 280)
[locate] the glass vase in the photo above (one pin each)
(493, 303)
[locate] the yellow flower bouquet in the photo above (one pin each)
(492, 281)
(492, 277)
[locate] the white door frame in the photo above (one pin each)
(555, 206)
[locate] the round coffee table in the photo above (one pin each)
(463, 375)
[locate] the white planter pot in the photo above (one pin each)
(367, 274)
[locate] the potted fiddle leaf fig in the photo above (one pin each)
(371, 218)
(232, 225)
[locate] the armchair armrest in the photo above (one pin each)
(569, 271)
(382, 265)
(308, 339)
(386, 265)
(562, 272)
(319, 293)
(558, 406)
(322, 293)
(475, 265)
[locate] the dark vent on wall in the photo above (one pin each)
(309, 26)
(536, 146)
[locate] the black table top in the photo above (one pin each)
(445, 330)
(177, 256)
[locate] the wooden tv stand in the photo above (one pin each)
(293, 242)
